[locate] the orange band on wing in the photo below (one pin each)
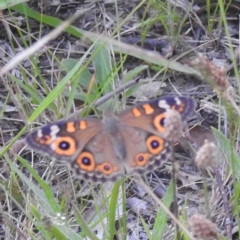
(148, 109)
(180, 108)
(70, 127)
(82, 125)
(46, 140)
(136, 112)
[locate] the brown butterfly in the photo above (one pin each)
(108, 149)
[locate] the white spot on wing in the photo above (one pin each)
(163, 104)
(39, 133)
(53, 146)
(54, 130)
(178, 101)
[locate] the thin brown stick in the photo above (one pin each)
(39, 44)
(146, 188)
(107, 96)
(175, 203)
(226, 206)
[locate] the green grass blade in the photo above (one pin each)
(112, 209)
(85, 228)
(39, 223)
(229, 151)
(46, 195)
(4, 4)
(85, 78)
(148, 56)
(146, 227)
(161, 219)
(102, 65)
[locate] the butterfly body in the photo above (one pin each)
(108, 149)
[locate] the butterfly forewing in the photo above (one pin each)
(63, 140)
(150, 115)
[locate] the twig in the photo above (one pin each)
(175, 204)
(39, 44)
(146, 188)
(225, 203)
(107, 96)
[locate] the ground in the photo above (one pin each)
(168, 34)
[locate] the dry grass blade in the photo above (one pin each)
(109, 56)
(39, 44)
(181, 226)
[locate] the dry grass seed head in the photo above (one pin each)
(206, 155)
(203, 228)
(211, 73)
(173, 125)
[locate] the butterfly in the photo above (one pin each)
(108, 149)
